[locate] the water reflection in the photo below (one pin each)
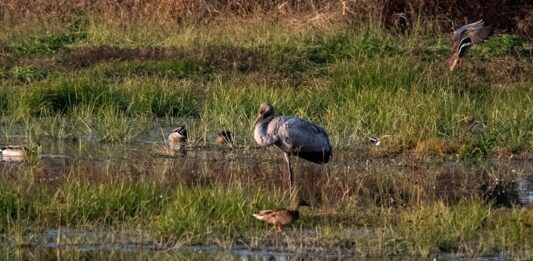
(382, 182)
(12, 158)
(205, 253)
(69, 244)
(40, 253)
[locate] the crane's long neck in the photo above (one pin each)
(261, 135)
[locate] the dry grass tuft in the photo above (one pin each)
(431, 146)
(506, 69)
(508, 15)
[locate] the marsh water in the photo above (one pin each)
(386, 182)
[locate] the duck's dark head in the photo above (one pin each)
(181, 130)
(178, 134)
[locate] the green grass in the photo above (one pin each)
(420, 222)
(89, 80)
(213, 210)
(52, 43)
(355, 83)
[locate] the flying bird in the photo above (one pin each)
(465, 37)
(281, 216)
(293, 136)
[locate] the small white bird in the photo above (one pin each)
(464, 38)
(375, 141)
(293, 136)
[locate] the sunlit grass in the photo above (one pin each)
(95, 81)
(356, 83)
(220, 214)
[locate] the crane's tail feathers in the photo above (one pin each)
(316, 157)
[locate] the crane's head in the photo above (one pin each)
(265, 110)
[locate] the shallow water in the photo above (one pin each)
(385, 182)
(68, 244)
(506, 182)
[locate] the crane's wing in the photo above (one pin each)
(305, 140)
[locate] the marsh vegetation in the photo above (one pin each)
(100, 92)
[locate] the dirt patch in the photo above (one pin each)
(85, 57)
(6, 60)
(218, 57)
(227, 57)
(506, 69)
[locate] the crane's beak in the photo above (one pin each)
(258, 119)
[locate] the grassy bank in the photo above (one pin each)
(369, 213)
(357, 82)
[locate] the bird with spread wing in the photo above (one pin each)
(464, 38)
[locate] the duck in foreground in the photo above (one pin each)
(293, 136)
(178, 138)
(281, 216)
(465, 37)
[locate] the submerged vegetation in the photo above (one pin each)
(90, 80)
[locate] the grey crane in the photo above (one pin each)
(465, 37)
(293, 136)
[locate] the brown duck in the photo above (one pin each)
(281, 216)
(224, 138)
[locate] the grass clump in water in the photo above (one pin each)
(437, 227)
(212, 211)
(115, 126)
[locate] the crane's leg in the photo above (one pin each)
(288, 160)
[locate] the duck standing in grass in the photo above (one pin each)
(178, 138)
(224, 138)
(464, 38)
(281, 216)
(293, 136)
